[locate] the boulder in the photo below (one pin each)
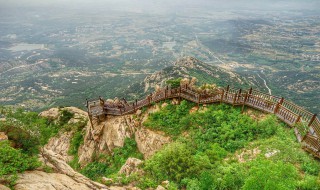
(60, 145)
(160, 188)
(194, 109)
(38, 180)
(103, 137)
(106, 180)
(131, 166)
(164, 105)
(165, 183)
(52, 113)
(149, 142)
(3, 136)
(184, 82)
(157, 88)
(68, 178)
(2, 187)
(138, 112)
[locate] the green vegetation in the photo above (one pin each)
(27, 132)
(13, 161)
(175, 83)
(169, 118)
(210, 142)
(75, 142)
(109, 165)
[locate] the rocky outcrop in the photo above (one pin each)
(78, 114)
(149, 142)
(60, 145)
(131, 166)
(60, 166)
(64, 177)
(38, 180)
(3, 136)
(52, 113)
(105, 136)
(2, 187)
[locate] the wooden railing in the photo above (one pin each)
(305, 124)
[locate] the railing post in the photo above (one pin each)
(234, 98)
(222, 96)
(165, 93)
(87, 104)
(239, 94)
(179, 94)
(199, 98)
(250, 91)
(244, 101)
(276, 109)
(298, 119)
(227, 91)
(312, 120)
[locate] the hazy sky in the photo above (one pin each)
(168, 4)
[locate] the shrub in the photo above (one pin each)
(265, 174)
(311, 167)
(170, 119)
(174, 82)
(13, 161)
(94, 170)
(65, 116)
(309, 183)
(174, 162)
(106, 165)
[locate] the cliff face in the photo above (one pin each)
(54, 155)
(101, 138)
(63, 177)
(106, 135)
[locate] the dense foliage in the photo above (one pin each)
(174, 83)
(109, 165)
(27, 130)
(217, 147)
(13, 161)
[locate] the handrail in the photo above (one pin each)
(306, 125)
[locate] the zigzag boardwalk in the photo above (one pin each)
(306, 125)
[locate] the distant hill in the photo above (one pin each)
(187, 67)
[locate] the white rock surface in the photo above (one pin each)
(3, 136)
(149, 142)
(131, 166)
(38, 180)
(60, 145)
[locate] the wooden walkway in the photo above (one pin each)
(305, 124)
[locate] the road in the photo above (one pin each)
(265, 83)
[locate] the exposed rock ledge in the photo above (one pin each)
(111, 133)
(38, 180)
(60, 144)
(65, 178)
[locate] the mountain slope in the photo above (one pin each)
(187, 67)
